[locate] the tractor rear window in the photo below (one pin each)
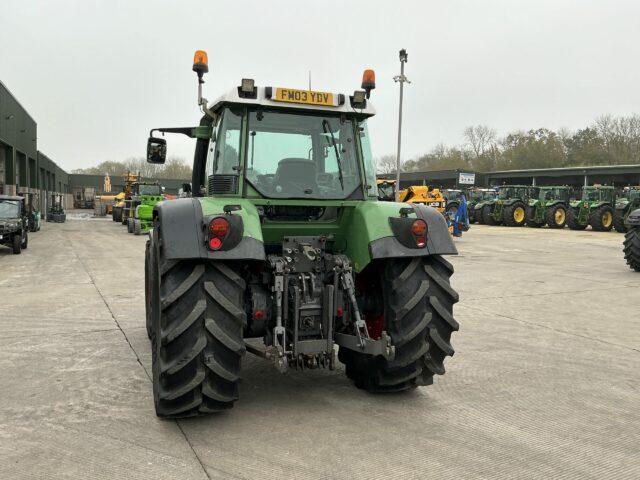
(302, 156)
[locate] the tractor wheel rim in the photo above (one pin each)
(560, 216)
(607, 219)
(518, 214)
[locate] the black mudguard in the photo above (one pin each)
(439, 241)
(183, 236)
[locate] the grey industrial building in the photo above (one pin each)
(23, 168)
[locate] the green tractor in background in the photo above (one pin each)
(285, 241)
(595, 208)
(149, 191)
(625, 204)
(148, 198)
(476, 200)
(632, 240)
(509, 207)
(549, 207)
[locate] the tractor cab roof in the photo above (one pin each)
(292, 99)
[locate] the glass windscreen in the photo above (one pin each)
(149, 189)
(301, 156)
(9, 209)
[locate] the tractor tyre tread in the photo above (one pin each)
(487, 218)
(618, 221)
(197, 336)
(419, 319)
(632, 249)
(595, 219)
(508, 212)
(551, 216)
(572, 220)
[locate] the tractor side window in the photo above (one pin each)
(223, 157)
(226, 148)
(369, 166)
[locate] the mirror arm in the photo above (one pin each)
(191, 132)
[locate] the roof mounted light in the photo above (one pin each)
(200, 63)
(247, 84)
(247, 88)
(368, 81)
(358, 100)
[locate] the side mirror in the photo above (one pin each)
(156, 150)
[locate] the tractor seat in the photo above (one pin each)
(297, 171)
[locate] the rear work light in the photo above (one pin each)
(218, 230)
(419, 230)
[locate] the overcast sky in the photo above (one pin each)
(97, 75)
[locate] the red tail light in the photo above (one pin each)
(419, 230)
(218, 230)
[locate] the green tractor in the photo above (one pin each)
(509, 207)
(549, 207)
(625, 204)
(144, 197)
(632, 240)
(477, 198)
(284, 240)
(595, 208)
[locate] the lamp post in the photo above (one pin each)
(402, 79)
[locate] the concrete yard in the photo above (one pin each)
(545, 382)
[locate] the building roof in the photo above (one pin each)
(568, 171)
(17, 101)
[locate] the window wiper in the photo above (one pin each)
(327, 129)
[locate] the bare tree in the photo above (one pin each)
(480, 138)
(386, 164)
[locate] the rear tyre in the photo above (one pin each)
(632, 249)
(417, 308)
(25, 241)
(487, 218)
(197, 321)
(557, 216)
(477, 213)
(618, 221)
(514, 215)
(130, 225)
(137, 227)
(531, 219)
(572, 220)
(17, 244)
(601, 219)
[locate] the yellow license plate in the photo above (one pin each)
(308, 97)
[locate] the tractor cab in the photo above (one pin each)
(599, 193)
